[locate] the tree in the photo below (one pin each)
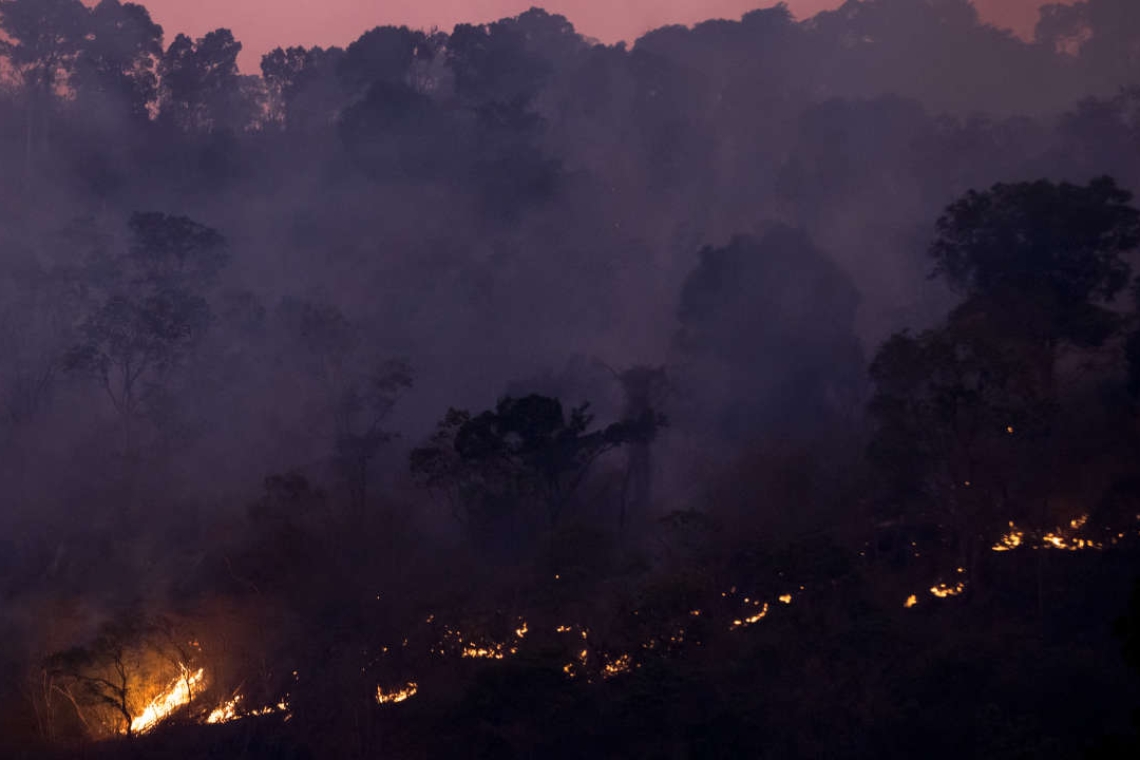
(966, 413)
(384, 54)
(1104, 35)
(152, 310)
(304, 92)
(360, 414)
(102, 676)
(525, 451)
(43, 38)
(954, 413)
(358, 390)
(1043, 259)
(774, 317)
(201, 89)
(116, 63)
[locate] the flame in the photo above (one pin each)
(1054, 539)
(397, 695)
(176, 695)
(1010, 540)
(785, 598)
(942, 590)
(489, 652)
(752, 618)
(225, 712)
(618, 666)
(910, 601)
(521, 630)
(229, 711)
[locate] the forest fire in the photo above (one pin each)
(1053, 539)
(1011, 540)
(177, 694)
(943, 590)
(751, 619)
(616, 667)
(396, 696)
(225, 712)
(230, 710)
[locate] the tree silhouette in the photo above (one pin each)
(152, 310)
(1043, 260)
(115, 67)
(524, 451)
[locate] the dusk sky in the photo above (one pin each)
(262, 25)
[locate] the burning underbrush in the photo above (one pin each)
(133, 678)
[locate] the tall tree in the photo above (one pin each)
(117, 58)
(152, 308)
(201, 88)
(304, 91)
(43, 38)
(1044, 260)
(774, 317)
(495, 465)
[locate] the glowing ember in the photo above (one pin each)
(752, 618)
(617, 667)
(942, 590)
(563, 629)
(1054, 539)
(225, 712)
(230, 711)
(910, 601)
(785, 598)
(398, 695)
(521, 630)
(486, 652)
(1010, 540)
(176, 695)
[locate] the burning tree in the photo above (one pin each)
(131, 676)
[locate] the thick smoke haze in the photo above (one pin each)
(347, 348)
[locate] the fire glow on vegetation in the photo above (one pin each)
(225, 712)
(395, 696)
(490, 651)
(1054, 539)
(478, 650)
(176, 695)
(943, 590)
(751, 619)
(617, 666)
(230, 710)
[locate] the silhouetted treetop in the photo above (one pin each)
(1057, 249)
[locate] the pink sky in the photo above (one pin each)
(262, 25)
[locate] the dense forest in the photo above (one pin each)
(765, 389)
